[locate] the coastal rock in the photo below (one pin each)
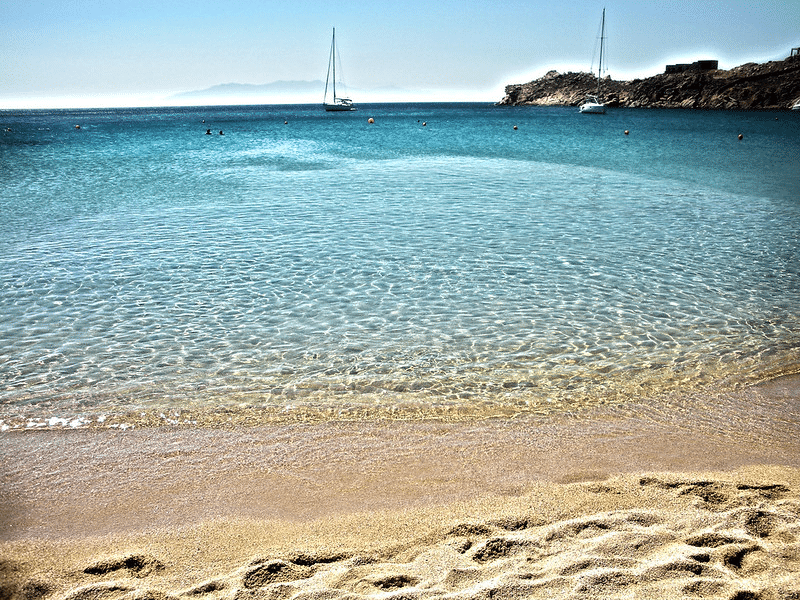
(772, 85)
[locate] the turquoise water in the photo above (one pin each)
(435, 262)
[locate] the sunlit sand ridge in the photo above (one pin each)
(724, 535)
(614, 502)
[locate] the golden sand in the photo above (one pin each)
(689, 501)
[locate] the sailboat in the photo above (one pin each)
(338, 103)
(592, 103)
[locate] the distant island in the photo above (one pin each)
(257, 91)
(772, 85)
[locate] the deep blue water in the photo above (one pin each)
(437, 259)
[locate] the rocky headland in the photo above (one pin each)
(772, 85)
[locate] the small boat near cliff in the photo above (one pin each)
(592, 104)
(796, 105)
(337, 103)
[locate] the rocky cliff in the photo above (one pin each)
(772, 85)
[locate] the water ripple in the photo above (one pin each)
(280, 274)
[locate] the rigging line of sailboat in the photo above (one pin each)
(338, 104)
(592, 104)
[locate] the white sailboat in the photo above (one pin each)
(592, 104)
(337, 103)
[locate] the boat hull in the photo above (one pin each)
(339, 107)
(593, 109)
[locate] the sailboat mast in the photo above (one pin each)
(333, 60)
(337, 104)
(602, 41)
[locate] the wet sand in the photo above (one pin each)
(692, 496)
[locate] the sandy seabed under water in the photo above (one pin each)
(689, 499)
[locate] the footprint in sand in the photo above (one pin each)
(137, 565)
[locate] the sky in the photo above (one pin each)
(97, 53)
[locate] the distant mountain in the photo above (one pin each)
(279, 88)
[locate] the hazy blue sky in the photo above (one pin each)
(131, 52)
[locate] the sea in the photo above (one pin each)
(260, 264)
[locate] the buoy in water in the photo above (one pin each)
(424, 123)
(626, 132)
(741, 136)
(370, 120)
(515, 127)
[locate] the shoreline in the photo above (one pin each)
(639, 499)
(249, 410)
(52, 476)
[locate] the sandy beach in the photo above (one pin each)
(692, 497)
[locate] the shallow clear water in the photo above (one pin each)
(436, 260)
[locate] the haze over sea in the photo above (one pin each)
(438, 262)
